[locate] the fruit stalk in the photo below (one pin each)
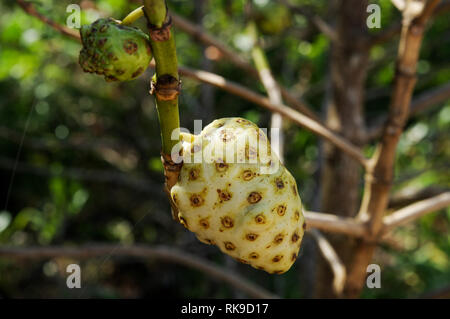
(133, 16)
(165, 85)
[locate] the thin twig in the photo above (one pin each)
(416, 210)
(31, 10)
(334, 224)
(271, 86)
(156, 252)
(330, 255)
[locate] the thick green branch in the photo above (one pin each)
(164, 53)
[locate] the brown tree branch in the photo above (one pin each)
(156, 252)
(416, 210)
(380, 174)
(335, 224)
(31, 10)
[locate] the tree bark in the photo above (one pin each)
(341, 174)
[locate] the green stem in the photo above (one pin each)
(165, 56)
(133, 16)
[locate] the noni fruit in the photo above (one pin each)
(234, 192)
(118, 52)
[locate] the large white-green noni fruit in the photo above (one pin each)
(234, 192)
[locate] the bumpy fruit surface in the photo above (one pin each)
(118, 52)
(237, 195)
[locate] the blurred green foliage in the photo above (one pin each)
(89, 167)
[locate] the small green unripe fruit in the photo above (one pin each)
(118, 52)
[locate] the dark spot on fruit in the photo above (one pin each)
(297, 215)
(193, 174)
(210, 241)
(304, 226)
(279, 183)
(137, 72)
(281, 210)
(277, 258)
(278, 238)
(221, 167)
(130, 46)
(251, 236)
(260, 268)
(196, 200)
(111, 78)
(294, 257)
(229, 245)
(294, 189)
(224, 195)
(175, 198)
(247, 175)
(226, 135)
(260, 219)
(243, 121)
(227, 222)
(295, 237)
(204, 223)
(101, 42)
(120, 72)
(254, 197)
(220, 124)
(253, 255)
